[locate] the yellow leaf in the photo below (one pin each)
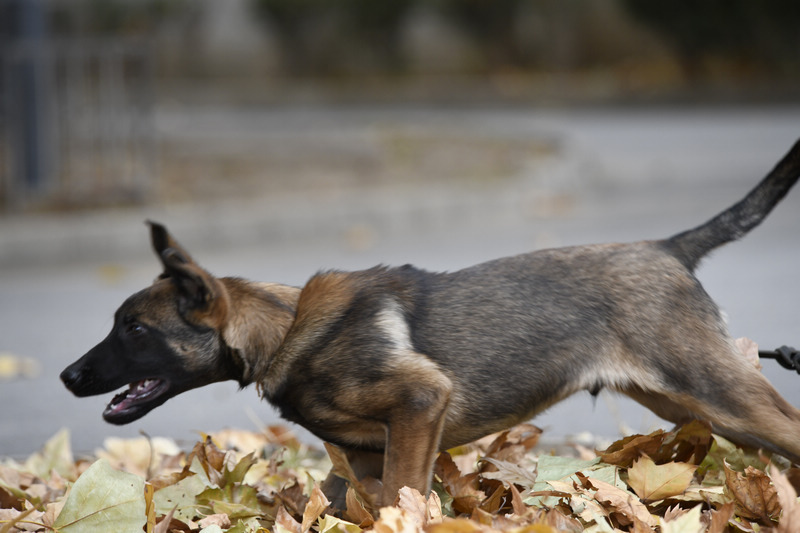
(331, 524)
(653, 482)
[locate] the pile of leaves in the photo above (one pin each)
(687, 481)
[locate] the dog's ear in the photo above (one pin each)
(201, 297)
(163, 241)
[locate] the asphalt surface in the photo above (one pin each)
(610, 176)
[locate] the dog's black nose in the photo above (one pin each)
(70, 376)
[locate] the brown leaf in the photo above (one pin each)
(293, 498)
(220, 519)
(653, 482)
(517, 504)
(561, 522)
(495, 501)
(316, 506)
(164, 525)
(355, 511)
(673, 512)
(753, 493)
(625, 451)
(718, 522)
(690, 444)
(790, 517)
(341, 467)
(285, 520)
(463, 489)
(622, 502)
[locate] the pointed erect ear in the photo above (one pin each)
(201, 296)
(163, 241)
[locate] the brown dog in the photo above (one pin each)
(394, 364)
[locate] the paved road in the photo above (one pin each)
(614, 176)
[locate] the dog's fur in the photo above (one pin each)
(393, 364)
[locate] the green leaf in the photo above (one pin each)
(103, 500)
(181, 496)
(554, 468)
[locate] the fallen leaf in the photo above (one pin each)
(688, 522)
(625, 451)
(463, 488)
(753, 493)
(414, 504)
(622, 502)
(355, 511)
(103, 499)
(284, 522)
(508, 472)
(790, 515)
(653, 482)
(219, 519)
(719, 518)
(331, 524)
(394, 520)
(341, 467)
(55, 455)
(317, 503)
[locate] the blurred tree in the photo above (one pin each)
(323, 37)
(762, 35)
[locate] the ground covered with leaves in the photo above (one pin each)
(686, 481)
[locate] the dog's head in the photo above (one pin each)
(166, 339)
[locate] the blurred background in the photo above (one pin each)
(279, 137)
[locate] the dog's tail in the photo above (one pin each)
(690, 246)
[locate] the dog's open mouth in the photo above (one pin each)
(136, 401)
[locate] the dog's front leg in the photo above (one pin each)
(413, 434)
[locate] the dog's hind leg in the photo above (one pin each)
(736, 399)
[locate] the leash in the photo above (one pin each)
(786, 356)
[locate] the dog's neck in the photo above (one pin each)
(260, 315)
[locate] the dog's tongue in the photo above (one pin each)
(137, 391)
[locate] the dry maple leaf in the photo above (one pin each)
(753, 493)
(652, 482)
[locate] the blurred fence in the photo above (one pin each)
(76, 122)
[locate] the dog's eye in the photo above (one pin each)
(134, 329)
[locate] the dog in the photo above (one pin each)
(395, 364)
